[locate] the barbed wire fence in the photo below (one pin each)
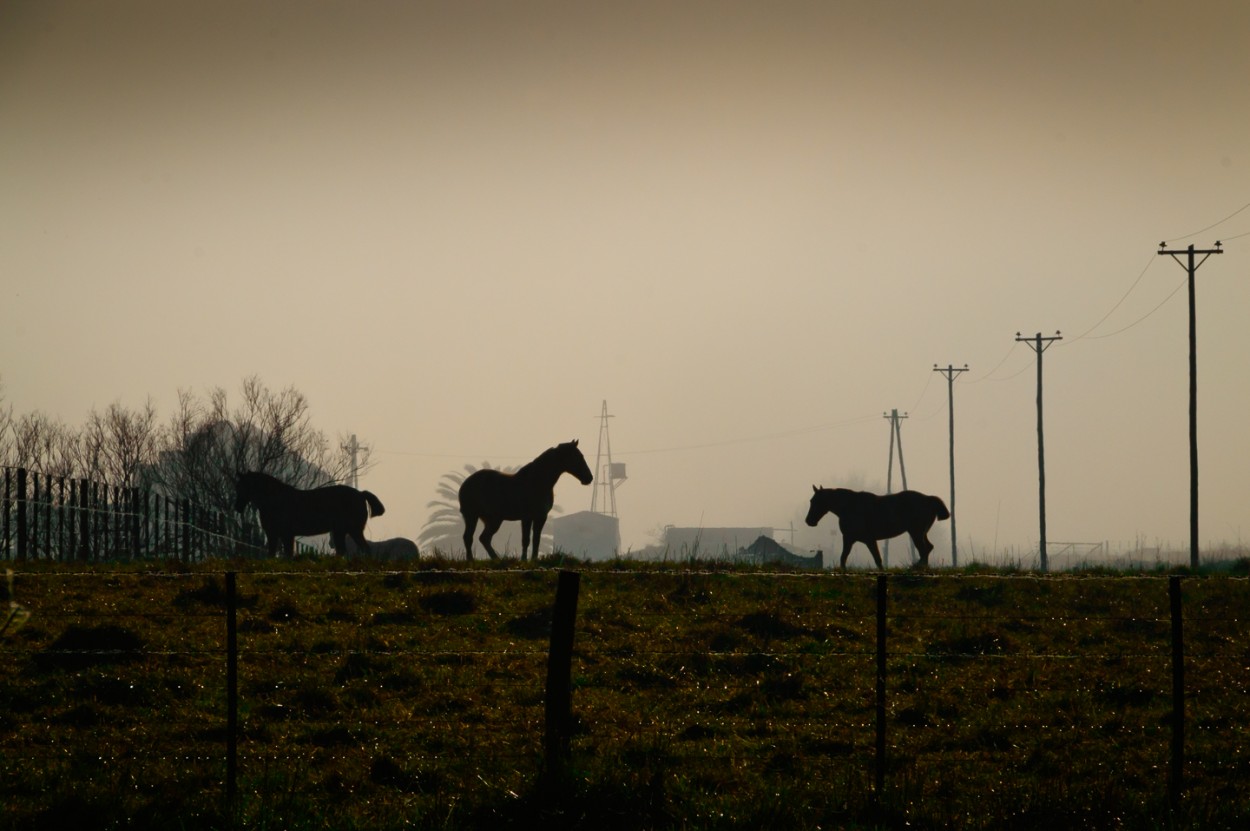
(435, 684)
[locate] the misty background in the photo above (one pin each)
(752, 229)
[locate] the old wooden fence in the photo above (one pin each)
(68, 519)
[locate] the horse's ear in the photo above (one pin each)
(575, 442)
(815, 489)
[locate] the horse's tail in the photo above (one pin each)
(375, 504)
(939, 507)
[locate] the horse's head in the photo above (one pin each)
(819, 506)
(572, 461)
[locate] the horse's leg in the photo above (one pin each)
(921, 539)
(847, 542)
(271, 543)
(525, 539)
(288, 542)
(538, 533)
(362, 544)
(489, 527)
(340, 543)
(876, 553)
(470, 524)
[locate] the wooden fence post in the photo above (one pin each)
(62, 514)
(8, 553)
(32, 514)
(49, 541)
(879, 768)
(21, 514)
(184, 514)
(559, 698)
(232, 690)
(99, 523)
(1176, 771)
(117, 510)
(84, 518)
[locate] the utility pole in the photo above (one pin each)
(1039, 345)
(354, 447)
(950, 372)
(1191, 265)
(896, 429)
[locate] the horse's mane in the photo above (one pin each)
(257, 476)
(538, 462)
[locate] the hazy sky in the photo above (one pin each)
(752, 228)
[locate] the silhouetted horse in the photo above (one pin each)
(528, 494)
(287, 512)
(866, 517)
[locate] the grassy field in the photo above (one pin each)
(705, 697)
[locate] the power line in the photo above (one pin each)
(1212, 225)
(1118, 302)
(1162, 303)
(1138, 280)
(987, 376)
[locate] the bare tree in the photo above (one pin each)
(206, 443)
(119, 445)
(6, 429)
(45, 445)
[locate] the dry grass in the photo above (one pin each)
(711, 698)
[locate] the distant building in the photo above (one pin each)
(586, 535)
(766, 550)
(710, 542)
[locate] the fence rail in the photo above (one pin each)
(68, 519)
(402, 688)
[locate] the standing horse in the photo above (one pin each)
(287, 512)
(865, 517)
(528, 494)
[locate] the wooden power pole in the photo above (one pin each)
(1191, 265)
(896, 431)
(1039, 345)
(951, 372)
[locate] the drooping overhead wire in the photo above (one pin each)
(1123, 297)
(1161, 304)
(989, 375)
(1154, 256)
(1213, 225)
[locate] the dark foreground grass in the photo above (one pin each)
(704, 698)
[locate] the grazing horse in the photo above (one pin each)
(866, 517)
(287, 512)
(528, 494)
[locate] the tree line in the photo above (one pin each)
(193, 455)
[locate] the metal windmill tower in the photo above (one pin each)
(608, 473)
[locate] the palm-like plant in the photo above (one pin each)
(443, 531)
